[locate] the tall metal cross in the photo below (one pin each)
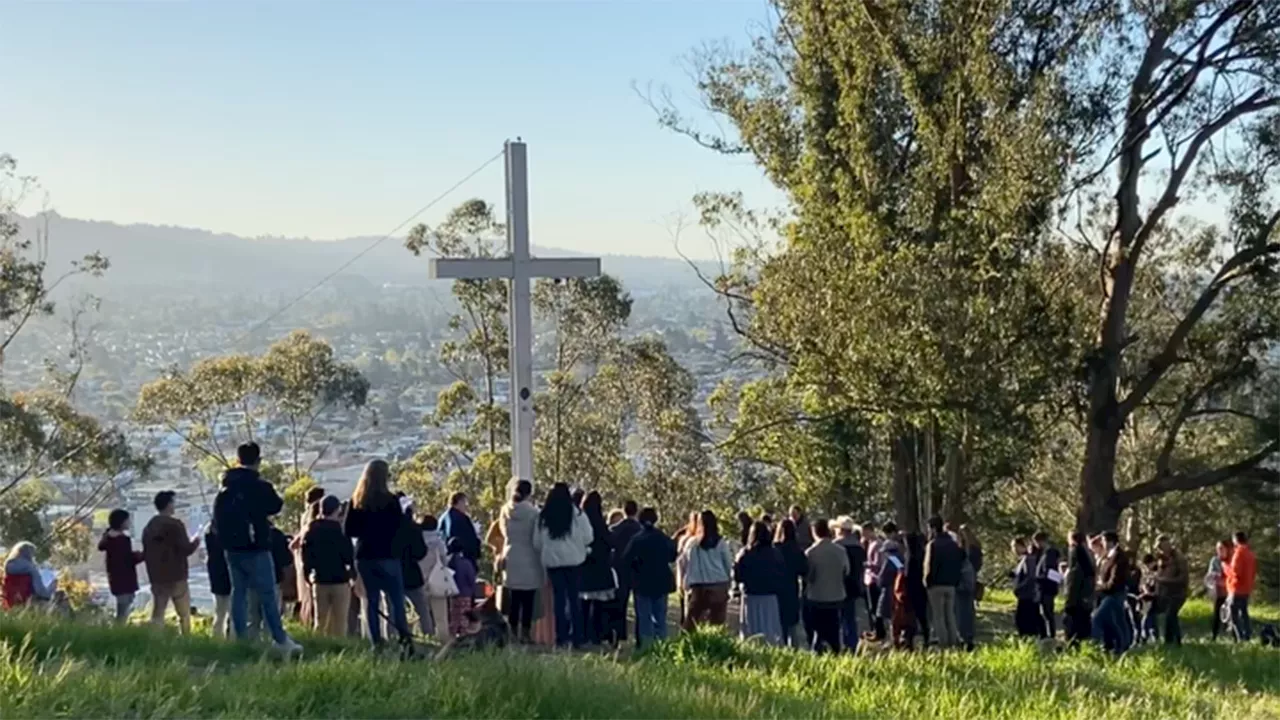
(518, 267)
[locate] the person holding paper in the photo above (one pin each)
(165, 548)
(1048, 579)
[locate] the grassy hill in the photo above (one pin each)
(64, 669)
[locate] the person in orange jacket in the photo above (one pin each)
(1240, 574)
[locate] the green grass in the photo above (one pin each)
(50, 668)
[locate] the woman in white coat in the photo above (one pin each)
(563, 536)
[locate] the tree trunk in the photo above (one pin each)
(906, 502)
(1099, 509)
(956, 471)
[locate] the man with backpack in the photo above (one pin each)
(241, 518)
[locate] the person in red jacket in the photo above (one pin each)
(1240, 573)
(121, 561)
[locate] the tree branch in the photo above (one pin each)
(1161, 363)
(1250, 466)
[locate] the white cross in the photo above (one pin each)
(518, 267)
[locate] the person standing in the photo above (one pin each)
(1173, 580)
(892, 612)
(435, 570)
(1109, 620)
(943, 567)
(413, 550)
(849, 537)
(1026, 613)
(242, 519)
(647, 563)
(1240, 575)
(708, 571)
(465, 574)
(456, 523)
(804, 533)
(1215, 583)
(1080, 581)
(873, 543)
(917, 591)
(519, 559)
(121, 562)
(165, 548)
(378, 525)
(967, 590)
(564, 535)
(761, 573)
(328, 563)
(824, 588)
(598, 584)
(215, 565)
(1048, 580)
(796, 569)
(620, 535)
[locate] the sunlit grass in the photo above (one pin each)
(72, 670)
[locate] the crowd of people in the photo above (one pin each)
(567, 574)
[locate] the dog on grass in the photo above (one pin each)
(489, 630)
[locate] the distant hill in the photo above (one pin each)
(167, 257)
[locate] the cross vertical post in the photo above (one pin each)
(519, 307)
(519, 267)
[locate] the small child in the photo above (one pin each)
(121, 561)
(464, 575)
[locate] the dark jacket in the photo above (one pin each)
(1081, 578)
(1024, 579)
(647, 560)
(619, 537)
(121, 562)
(457, 524)
(597, 571)
(414, 549)
(281, 556)
(241, 510)
(853, 582)
(1113, 575)
(1049, 561)
(166, 547)
(379, 534)
(944, 561)
(796, 567)
(761, 571)
(327, 555)
(975, 558)
(216, 565)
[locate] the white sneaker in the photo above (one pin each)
(289, 648)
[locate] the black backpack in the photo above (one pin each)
(231, 519)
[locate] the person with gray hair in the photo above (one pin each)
(21, 571)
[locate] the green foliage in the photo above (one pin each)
(706, 646)
(68, 670)
(295, 504)
(22, 513)
(290, 386)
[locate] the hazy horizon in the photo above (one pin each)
(338, 120)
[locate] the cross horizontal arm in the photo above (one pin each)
(470, 268)
(564, 267)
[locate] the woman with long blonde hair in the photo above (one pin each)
(379, 527)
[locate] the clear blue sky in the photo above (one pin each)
(328, 119)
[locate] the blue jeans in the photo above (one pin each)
(1239, 605)
(1111, 624)
(383, 577)
(651, 618)
(566, 591)
(254, 571)
(849, 624)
